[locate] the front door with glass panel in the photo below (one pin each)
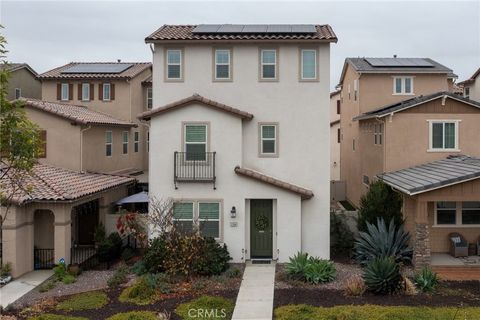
(261, 228)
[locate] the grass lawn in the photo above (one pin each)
(371, 312)
(84, 301)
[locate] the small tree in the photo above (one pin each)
(381, 201)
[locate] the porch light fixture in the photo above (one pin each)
(233, 213)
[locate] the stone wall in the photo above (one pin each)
(421, 254)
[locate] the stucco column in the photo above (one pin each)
(63, 233)
(421, 253)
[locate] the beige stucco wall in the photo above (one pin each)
(26, 81)
(334, 144)
(474, 89)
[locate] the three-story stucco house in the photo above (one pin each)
(239, 134)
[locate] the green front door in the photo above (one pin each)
(261, 228)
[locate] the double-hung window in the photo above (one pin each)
(149, 98)
(471, 212)
(355, 89)
(268, 139)
(195, 140)
(174, 64)
(443, 135)
(204, 216)
(403, 85)
(18, 93)
(222, 64)
(308, 64)
(125, 142)
(466, 92)
(106, 92)
(446, 212)
(136, 141)
(183, 216)
(65, 94)
(108, 143)
(85, 91)
(449, 213)
(378, 134)
(268, 64)
(209, 219)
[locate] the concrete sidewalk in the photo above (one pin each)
(19, 287)
(255, 298)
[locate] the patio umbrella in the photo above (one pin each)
(141, 197)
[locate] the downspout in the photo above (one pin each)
(81, 146)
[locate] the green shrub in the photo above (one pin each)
(60, 271)
(155, 254)
(297, 265)
(110, 248)
(128, 254)
(206, 307)
(380, 242)
(341, 238)
(139, 268)
(6, 269)
(141, 293)
(213, 258)
(426, 280)
(47, 286)
(68, 279)
(119, 277)
(84, 301)
(49, 316)
(134, 315)
(319, 271)
(382, 276)
(233, 272)
(381, 201)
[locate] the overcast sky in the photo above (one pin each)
(50, 34)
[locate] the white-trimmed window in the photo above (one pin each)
(450, 213)
(204, 215)
(85, 91)
(403, 85)
(125, 142)
(269, 139)
(108, 143)
(222, 64)
(149, 98)
(174, 64)
(65, 92)
(349, 92)
(136, 141)
(466, 92)
(195, 141)
(268, 64)
(443, 135)
(308, 64)
(378, 134)
(107, 92)
(18, 93)
(355, 89)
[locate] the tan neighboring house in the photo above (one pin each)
(115, 89)
(22, 82)
(56, 215)
(371, 83)
(335, 106)
(471, 86)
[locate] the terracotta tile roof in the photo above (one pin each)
(48, 183)
(184, 32)
(75, 113)
(195, 98)
(129, 73)
(304, 193)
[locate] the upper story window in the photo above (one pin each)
(125, 142)
(378, 134)
(174, 64)
(338, 106)
(466, 92)
(308, 64)
(355, 89)
(443, 135)
(108, 143)
(339, 136)
(85, 91)
(42, 136)
(222, 64)
(268, 64)
(136, 141)
(349, 91)
(65, 92)
(149, 98)
(107, 92)
(18, 93)
(195, 141)
(403, 85)
(268, 140)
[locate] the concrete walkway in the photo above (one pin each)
(255, 298)
(20, 286)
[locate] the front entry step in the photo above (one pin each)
(261, 261)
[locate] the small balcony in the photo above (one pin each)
(194, 167)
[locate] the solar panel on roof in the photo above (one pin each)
(255, 28)
(398, 62)
(279, 28)
(230, 28)
(206, 28)
(98, 68)
(303, 28)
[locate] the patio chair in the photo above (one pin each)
(458, 245)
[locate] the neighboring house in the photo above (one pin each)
(368, 84)
(22, 81)
(422, 155)
(116, 89)
(471, 86)
(57, 212)
(240, 134)
(335, 105)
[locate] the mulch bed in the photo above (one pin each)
(466, 293)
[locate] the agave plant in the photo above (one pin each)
(297, 265)
(381, 241)
(319, 271)
(382, 276)
(426, 280)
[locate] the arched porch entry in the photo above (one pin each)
(43, 239)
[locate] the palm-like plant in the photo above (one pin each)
(297, 265)
(382, 276)
(381, 242)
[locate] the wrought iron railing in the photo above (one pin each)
(43, 258)
(194, 167)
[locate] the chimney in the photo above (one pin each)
(119, 60)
